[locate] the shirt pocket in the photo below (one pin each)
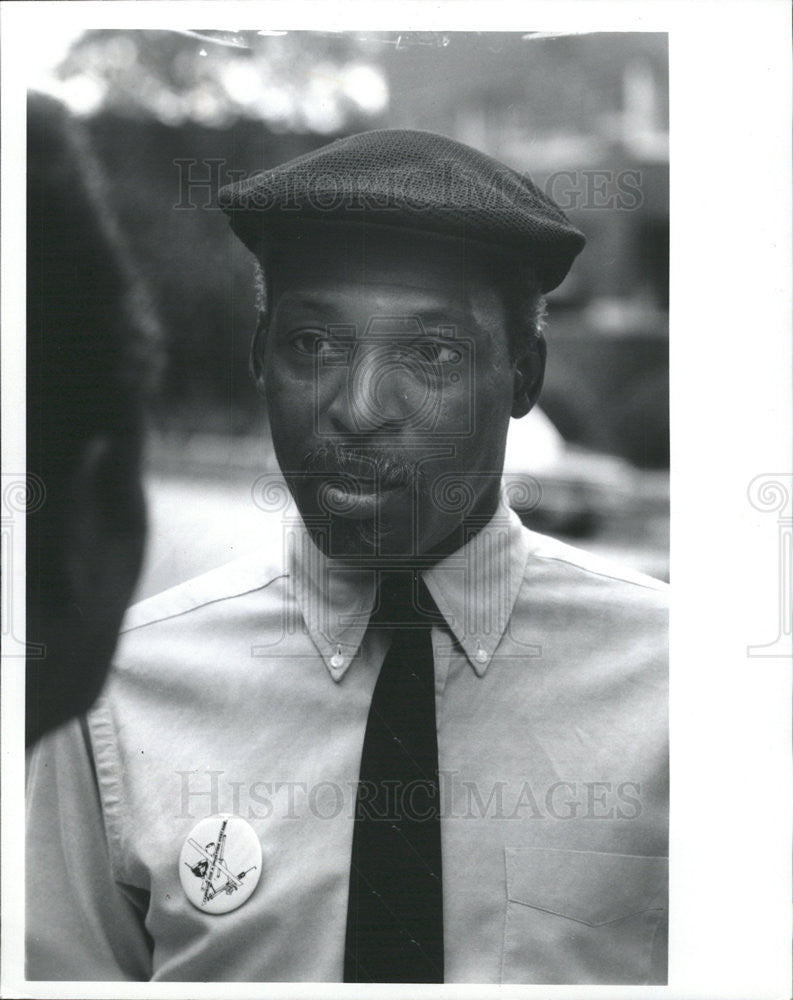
(584, 917)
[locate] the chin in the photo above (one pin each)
(353, 539)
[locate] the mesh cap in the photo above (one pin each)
(411, 180)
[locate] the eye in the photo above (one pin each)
(438, 352)
(308, 343)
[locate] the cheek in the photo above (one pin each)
(483, 450)
(492, 401)
(472, 416)
(287, 397)
(290, 421)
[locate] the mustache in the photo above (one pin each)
(388, 469)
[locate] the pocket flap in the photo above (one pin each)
(592, 887)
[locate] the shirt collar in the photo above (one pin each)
(475, 589)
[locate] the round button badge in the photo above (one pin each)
(220, 864)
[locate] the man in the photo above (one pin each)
(413, 742)
(91, 345)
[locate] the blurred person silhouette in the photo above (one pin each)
(91, 350)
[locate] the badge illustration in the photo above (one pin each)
(220, 863)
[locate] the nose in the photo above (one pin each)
(375, 392)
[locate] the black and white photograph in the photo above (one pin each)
(351, 469)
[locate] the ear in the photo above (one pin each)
(528, 376)
(258, 347)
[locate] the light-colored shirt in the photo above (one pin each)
(246, 691)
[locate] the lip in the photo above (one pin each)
(359, 500)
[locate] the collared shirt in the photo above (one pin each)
(246, 692)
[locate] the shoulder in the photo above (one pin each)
(196, 637)
(586, 569)
(248, 575)
(596, 620)
(585, 593)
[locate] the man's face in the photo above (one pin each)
(389, 386)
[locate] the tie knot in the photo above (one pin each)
(403, 599)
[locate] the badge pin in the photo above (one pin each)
(220, 864)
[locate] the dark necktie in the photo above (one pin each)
(395, 909)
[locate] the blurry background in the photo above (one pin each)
(175, 115)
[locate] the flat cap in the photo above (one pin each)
(412, 180)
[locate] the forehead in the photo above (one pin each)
(331, 265)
